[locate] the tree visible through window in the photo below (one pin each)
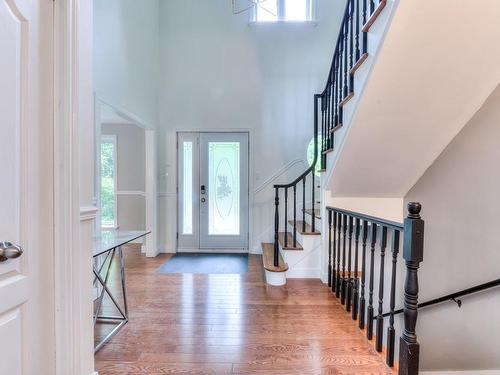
(283, 10)
(108, 181)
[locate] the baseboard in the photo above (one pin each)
(324, 277)
(303, 273)
(464, 372)
(163, 249)
(213, 251)
(256, 250)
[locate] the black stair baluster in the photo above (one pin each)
(332, 101)
(304, 204)
(313, 190)
(351, 45)
(365, 34)
(335, 97)
(326, 134)
(276, 228)
(349, 267)
(295, 215)
(344, 281)
(338, 284)
(330, 248)
(286, 217)
(380, 318)
(339, 81)
(372, 7)
(355, 294)
(369, 317)
(346, 55)
(358, 53)
(334, 248)
(323, 126)
(362, 309)
(391, 334)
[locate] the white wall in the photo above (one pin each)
(126, 55)
(131, 186)
(413, 103)
(460, 199)
(219, 73)
(82, 263)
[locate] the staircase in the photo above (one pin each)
(356, 277)
(297, 230)
(370, 123)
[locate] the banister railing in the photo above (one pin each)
(355, 240)
(350, 51)
(453, 296)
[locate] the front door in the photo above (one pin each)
(26, 190)
(213, 191)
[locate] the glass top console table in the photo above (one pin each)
(106, 249)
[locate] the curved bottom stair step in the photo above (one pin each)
(268, 259)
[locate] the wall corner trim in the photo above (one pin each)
(88, 213)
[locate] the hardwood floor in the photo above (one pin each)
(232, 324)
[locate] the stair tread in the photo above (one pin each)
(358, 64)
(335, 128)
(346, 99)
(327, 151)
(374, 16)
(307, 232)
(268, 259)
(317, 212)
(281, 237)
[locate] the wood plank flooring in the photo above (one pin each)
(231, 324)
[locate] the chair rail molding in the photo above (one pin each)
(131, 192)
(88, 213)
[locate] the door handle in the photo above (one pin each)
(202, 200)
(9, 251)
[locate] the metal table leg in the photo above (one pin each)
(123, 318)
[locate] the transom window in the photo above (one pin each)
(283, 10)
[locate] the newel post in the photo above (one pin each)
(413, 252)
(276, 227)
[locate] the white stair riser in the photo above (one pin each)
(303, 263)
(317, 223)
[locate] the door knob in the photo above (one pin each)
(202, 200)
(9, 251)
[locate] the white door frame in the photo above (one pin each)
(73, 218)
(150, 246)
(251, 196)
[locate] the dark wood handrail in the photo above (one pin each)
(372, 219)
(336, 53)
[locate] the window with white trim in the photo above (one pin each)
(283, 11)
(109, 217)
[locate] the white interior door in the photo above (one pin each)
(213, 191)
(26, 190)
